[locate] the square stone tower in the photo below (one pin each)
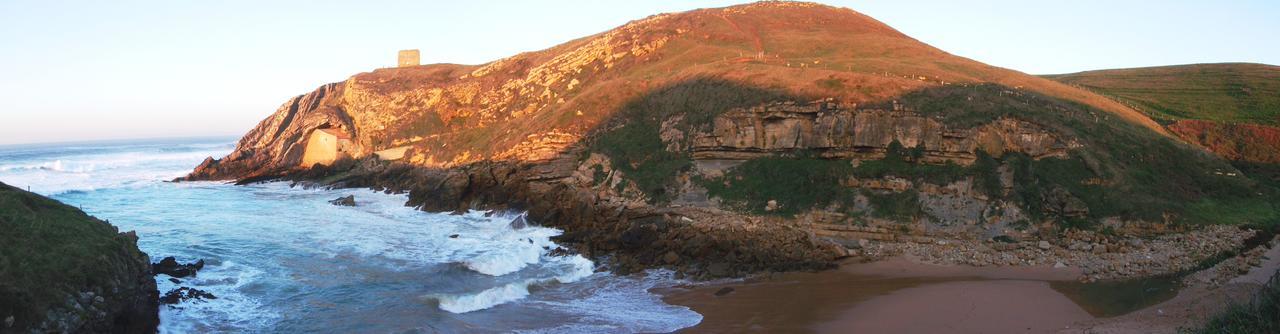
(408, 58)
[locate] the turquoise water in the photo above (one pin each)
(282, 259)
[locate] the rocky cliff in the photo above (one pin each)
(724, 141)
(62, 271)
(457, 114)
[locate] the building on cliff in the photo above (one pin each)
(407, 58)
(324, 146)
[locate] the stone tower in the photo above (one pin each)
(408, 58)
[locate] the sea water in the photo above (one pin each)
(282, 259)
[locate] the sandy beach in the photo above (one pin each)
(903, 296)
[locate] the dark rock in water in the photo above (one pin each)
(183, 294)
(723, 291)
(518, 223)
(559, 251)
(350, 200)
(170, 266)
(174, 280)
(453, 236)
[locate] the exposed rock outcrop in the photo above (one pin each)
(696, 241)
(839, 130)
(170, 266)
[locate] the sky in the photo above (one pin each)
(91, 70)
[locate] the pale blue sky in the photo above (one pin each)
(83, 70)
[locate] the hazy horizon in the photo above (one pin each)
(90, 71)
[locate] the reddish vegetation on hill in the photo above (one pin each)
(1244, 142)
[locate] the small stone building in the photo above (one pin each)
(408, 58)
(325, 146)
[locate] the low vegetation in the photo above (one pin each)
(1231, 93)
(47, 249)
(1122, 170)
(1260, 315)
(634, 145)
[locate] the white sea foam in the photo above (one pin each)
(485, 299)
(603, 295)
(282, 259)
(572, 269)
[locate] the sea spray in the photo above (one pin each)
(282, 259)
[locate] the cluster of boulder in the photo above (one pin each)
(697, 242)
(1101, 257)
(171, 267)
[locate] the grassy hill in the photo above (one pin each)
(1228, 93)
(51, 254)
(1233, 109)
(640, 95)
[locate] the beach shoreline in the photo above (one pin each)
(904, 295)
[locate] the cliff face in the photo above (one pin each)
(842, 131)
(62, 271)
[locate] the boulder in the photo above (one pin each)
(723, 291)
(350, 200)
(170, 266)
(518, 223)
(183, 294)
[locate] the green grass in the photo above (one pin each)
(49, 249)
(632, 141)
(1248, 93)
(1121, 170)
(1260, 315)
(797, 184)
(1147, 174)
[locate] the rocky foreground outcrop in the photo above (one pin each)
(699, 242)
(62, 271)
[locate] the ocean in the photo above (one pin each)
(281, 259)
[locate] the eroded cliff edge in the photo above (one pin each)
(62, 271)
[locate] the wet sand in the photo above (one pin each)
(897, 296)
(902, 296)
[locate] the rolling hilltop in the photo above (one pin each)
(672, 139)
(1232, 109)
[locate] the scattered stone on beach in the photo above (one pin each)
(1044, 245)
(183, 294)
(723, 291)
(1103, 257)
(170, 266)
(350, 200)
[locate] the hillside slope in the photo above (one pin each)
(1232, 109)
(762, 119)
(66, 272)
(543, 101)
